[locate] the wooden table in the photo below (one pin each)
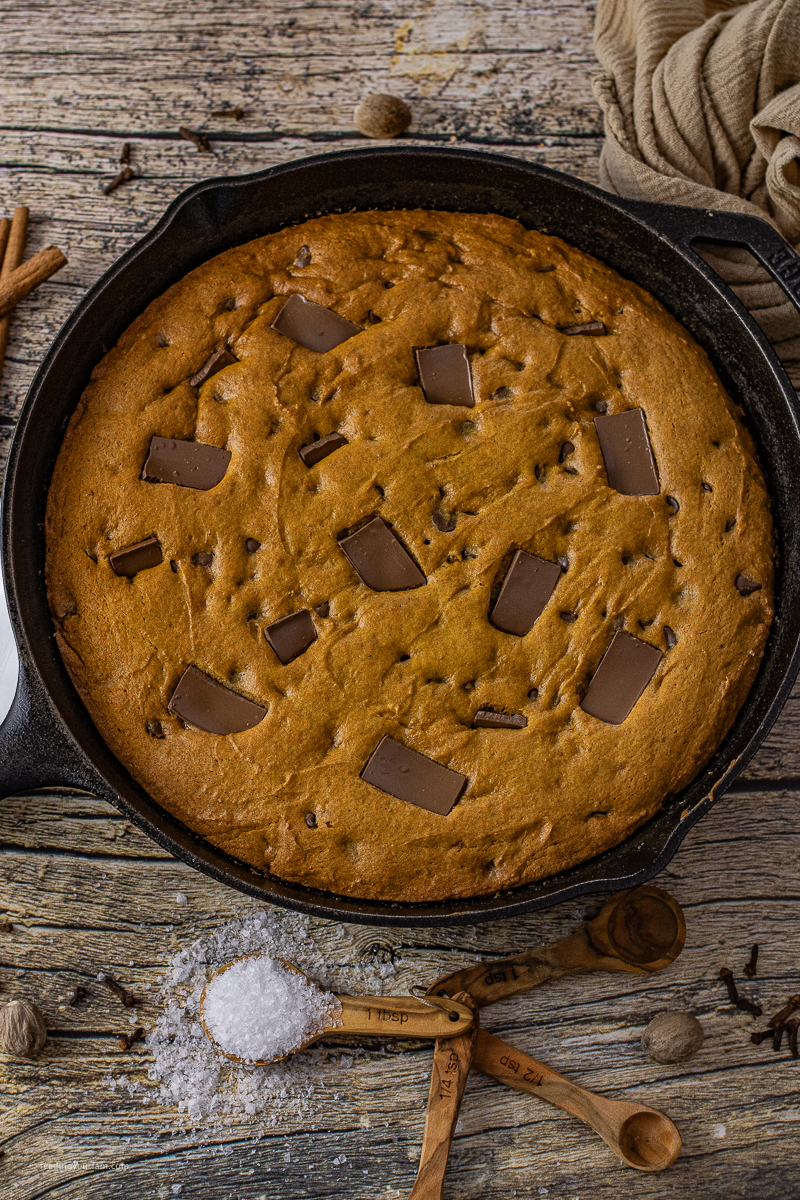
(86, 892)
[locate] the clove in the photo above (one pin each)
(738, 1001)
(782, 1017)
(750, 967)
(77, 996)
(791, 1031)
(226, 113)
(777, 1036)
(130, 1039)
(6, 927)
(199, 139)
(125, 176)
(122, 993)
(759, 1036)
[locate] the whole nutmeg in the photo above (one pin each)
(22, 1029)
(672, 1037)
(382, 117)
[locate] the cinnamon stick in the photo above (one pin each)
(15, 248)
(25, 278)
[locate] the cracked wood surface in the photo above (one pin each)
(86, 892)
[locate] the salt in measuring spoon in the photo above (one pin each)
(374, 1016)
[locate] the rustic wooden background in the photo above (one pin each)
(86, 892)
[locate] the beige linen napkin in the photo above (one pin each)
(702, 107)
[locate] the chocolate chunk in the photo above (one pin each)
(444, 375)
(187, 464)
(625, 670)
(215, 362)
(290, 636)
(303, 257)
(627, 453)
(311, 820)
(323, 610)
(672, 504)
(588, 329)
(380, 559)
(173, 566)
(314, 452)
(563, 562)
(566, 450)
(746, 585)
(138, 557)
(251, 545)
(410, 776)
(569, 617)
(312, 325)
(444, 523)
(707, 487)
(201, 701)
(526, 589)
(486, 719)
(671, 636)
(729, 525)
(155, 729)
(533, 694)
(203, 559)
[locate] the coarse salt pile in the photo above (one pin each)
(188, 1073)
(259, 1010)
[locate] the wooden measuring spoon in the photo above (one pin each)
(643, 1137)
(375, 1016)
(451, 1063)
(639, 930)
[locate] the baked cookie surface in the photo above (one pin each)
(554, 341)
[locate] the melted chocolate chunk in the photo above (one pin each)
(215, 362)
(627, 453)
(312, 325)
(444, 375)
(526, 589)
(486, 719)
(444, 523)
(410, 776)
(200, 701)
(314, 452)
(625, 670)
(746, 585)
(138, 557)
(187, 464)
(290, 636)
(588, 329)
(380, 559)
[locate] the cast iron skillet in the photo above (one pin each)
(48, 739)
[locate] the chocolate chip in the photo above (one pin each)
(543, 270)
(600, 406)
(187, 464)
(444, 375)
(486, 718)
(624, 672)
(141, 556)
(502, 393)
(730, 524)
(173, 566)
(526, 589)
(312, 325)
(467, 554)
(672, 503)
(571, 470)
(203, 559)
(314, 452)
(569, 617)
(540, 473)
(563, 562)
(155, 729)
(444, 523)
(533, 694)
(200, 701)
(373, 318)
(303, 257)
(323, 610)
(589, 329)
(379, 558)
(671, 637)
(410, 776)
(707, 487)
(566, 450)
(646, 624)
(221, 357)
(619, 623)
(746, 585)
(251, 545)
(292, 635)
(388, 283)
(468, 427)
(311, 821)
(627, 453)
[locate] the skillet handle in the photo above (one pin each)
(687, 225)
(34, 753)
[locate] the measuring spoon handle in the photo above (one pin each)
(642, 1137)
(403, 1016)
(451, 1063)
(638, 930)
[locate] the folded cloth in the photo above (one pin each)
(701, 100)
